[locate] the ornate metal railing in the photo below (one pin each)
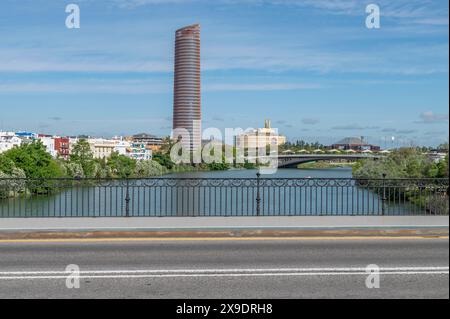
(258, 196)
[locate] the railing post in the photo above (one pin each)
(383, 200)
(258, 194)
(127, 199)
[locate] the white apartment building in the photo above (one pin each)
(139, 152)
(49, 143)
(8, 140)
(122, 147)
(103, 148)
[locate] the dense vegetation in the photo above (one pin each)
(402, 163)
(301, 145)
(29, 160)
(408, 163)
(32, 161)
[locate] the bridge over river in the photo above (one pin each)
(287, 161)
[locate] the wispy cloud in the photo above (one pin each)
(436, 133)
(406, 132)
(218, 119)
(432, 118)
(258, 87)
(233, 46)
(415, 11)
(87, 86)
(117, 86)
(399, 131)
(310, 121)
(350, 127)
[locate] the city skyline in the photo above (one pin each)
(315, 70)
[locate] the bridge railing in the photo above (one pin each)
(259, 196)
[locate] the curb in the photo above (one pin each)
(435, 232)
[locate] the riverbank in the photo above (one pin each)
(325, 165)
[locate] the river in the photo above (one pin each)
(344, 172)
(211, 193)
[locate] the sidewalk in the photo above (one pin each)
(224, 226)
(198, 223)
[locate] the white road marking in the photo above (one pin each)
(220, 275)
(176, 273)
(231, 270)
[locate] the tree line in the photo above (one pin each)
(31, 160)
(402, 163)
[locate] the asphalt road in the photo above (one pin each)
(410, 268)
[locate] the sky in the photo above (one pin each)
(311, 66)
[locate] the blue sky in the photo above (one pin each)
(311, 66)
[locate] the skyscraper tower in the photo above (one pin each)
(187, 95)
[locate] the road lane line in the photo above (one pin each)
(231, 270)
(226, 275)
(192, 273)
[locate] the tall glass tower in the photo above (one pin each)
(187, 95)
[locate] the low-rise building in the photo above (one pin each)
(357, 144)
(9, 140)
(436, 156)
(260, 138)
(62, 147)
(102, 148)
(122, 147)
(150, 141)
(27, 135)
(49, 143)
(139, 152)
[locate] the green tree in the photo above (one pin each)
(166, 145)
(33, 160)
(82, 154)
(149, 168)
(402, 163)
(121, 165)
(443, 147)
(443, 168)
(6, 165)
(164, 160)
(218, 166)
(9, 170)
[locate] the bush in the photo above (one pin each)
(120, 166)
(73, 170)
(403, 163)
(149, 168)
(164, 160)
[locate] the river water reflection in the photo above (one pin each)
(212, 193)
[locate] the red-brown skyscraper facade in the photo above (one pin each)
(187, 92)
